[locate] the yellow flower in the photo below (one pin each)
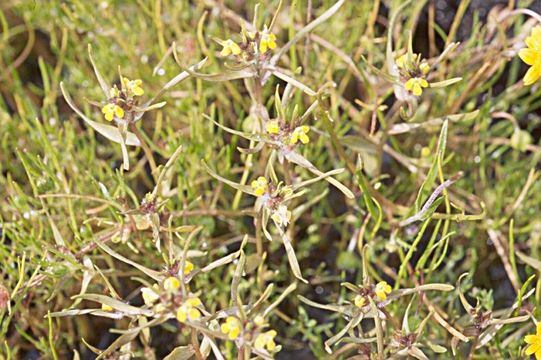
(133, 86)
(360, 301)
(171, 284)
(112, 110)
(532, 56)
(188, 310)
(265, 340)
(300, 134)
(416, 85)
(401, 61)
(534, 343)
(424, 67)
(260, 186)
(232, 327)
(268, 41)
(230, 47)
(382, 290)
(188, 267)
(282, 216)
(150, 295)
(273, 127)
(106, 307)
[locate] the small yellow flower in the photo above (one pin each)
(282, 216)
(265, 340)
(360, 301)
(106, 307)
(532, 56)
(188, 267)
(273, 127)
(171, 284)
(382, 290)
(260, 186)
(300, 134)
(133, 86)
(401, 61)
(112, 110)
(424, 67)
(150, 295)
(534, 343)
(188, 310)
(268, 41)
(416, 85)
(230, 47)
(232, 327)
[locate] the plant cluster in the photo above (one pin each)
(241, 179)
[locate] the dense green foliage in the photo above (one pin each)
(299, 175)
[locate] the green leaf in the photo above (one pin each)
(427, 185)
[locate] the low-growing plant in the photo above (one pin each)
(239, 179)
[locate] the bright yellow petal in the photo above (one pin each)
(263, 45)
(193, 302)
(532, 348)
(359, 301)
(194, 314)
(533, 42)
(119, 112)
(171, 284)
(181, 315)
(138, 91)
(424, 67)
(409, 84)
(260, 342)
(530, 339)
(273, 127)
(529, 56)
(188, 267)
(235, 49)
(538, 355)
(532, 75)
(226, 51)
(417, 90)
(224, 328)
(424, 83)
(234, 333)
(294, 138)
